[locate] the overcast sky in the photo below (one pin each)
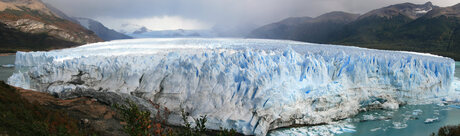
(202, 14)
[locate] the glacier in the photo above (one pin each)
(250, 85)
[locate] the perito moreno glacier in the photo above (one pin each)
(251, 85)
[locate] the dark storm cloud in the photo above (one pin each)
(254, 11)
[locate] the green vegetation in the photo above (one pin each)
(448, 131)
(139, 123)
(20, 117)
(188, 129)
(200, 124)
(227, 132)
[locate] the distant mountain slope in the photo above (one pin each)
(12, 40)
(33, 17)
(381, 24)
(219, 30)
(279, 30)
(409, 10)
(317, 29)
(100, 30)
(144, 32)
(233, 30)
(433, 31)
(179, 33)
(407, 26)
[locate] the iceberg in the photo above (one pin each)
(431, 120)
(250, 85)
(7, 65)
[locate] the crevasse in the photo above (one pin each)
(251, 85)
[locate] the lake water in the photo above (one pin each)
(6, 72)
(409, 120)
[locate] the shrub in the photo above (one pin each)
(227, 132)
(21, 117)
(200, 124)
(448, 131)
(138, 122)
(188, 129)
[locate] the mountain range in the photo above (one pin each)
(411, 27)
(31, 25)
(100, 30)
(237, 30)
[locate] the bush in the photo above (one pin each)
(138, 122)
(200, 124)
(227, 132)
(448, 131)
(188, 129)
(200, 127)
(21, 117)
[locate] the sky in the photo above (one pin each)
(204, 14)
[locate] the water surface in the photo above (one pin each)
(4, 71)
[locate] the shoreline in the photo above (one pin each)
(7, 54)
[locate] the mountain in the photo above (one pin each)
(279, 30)
(129, 28)
(12, 40)
(453, 11)
(144, 32)
(432, 31)
(35, 20)
(411, 27)
(380, 24)
(179, 33)
(218, 30)
(309, 29)
(409, 10)
(141, 30)
(233, 30)
(59, 13)
(100, 30)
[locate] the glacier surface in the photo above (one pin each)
(251, 85)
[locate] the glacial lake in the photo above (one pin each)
(408, 120)
(6, 72)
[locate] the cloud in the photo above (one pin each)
(218, 11)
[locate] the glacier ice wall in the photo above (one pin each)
(251, 85)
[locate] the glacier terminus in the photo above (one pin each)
(250, 85)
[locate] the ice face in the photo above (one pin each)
(251, 85)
